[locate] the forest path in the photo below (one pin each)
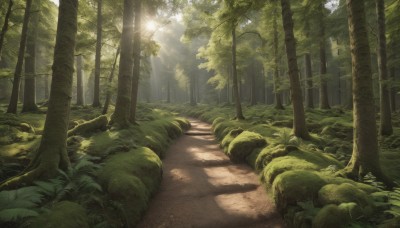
(201, 187)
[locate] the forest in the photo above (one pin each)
(199, 113)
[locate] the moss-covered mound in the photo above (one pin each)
(63, 214)
(244, 144)
(295, 186)
(131, 178)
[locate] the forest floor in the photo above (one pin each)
(201, 187)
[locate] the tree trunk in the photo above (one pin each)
(299, 119)
(277, 90)
(97, 67)
(323, 91)
(192, 87)
(253, 99)
(136, 59)
(393, 91)
(168, 91)
(52, 153)
(386, 115)
(5, 25)
(123, 103)
(110, 78)
(365, 157)
(30, 65)
(238, 105)
(12, 107)
(310, 89)
(46, 87)
(79, 81)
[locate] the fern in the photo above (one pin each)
(284, 137)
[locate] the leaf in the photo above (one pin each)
(15, 214)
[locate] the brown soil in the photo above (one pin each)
(201, 187)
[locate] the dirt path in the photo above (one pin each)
(202, 188)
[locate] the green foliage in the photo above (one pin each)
(244, 144)
(284, 137)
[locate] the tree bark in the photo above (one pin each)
(277, 91)
(137, 40)
(393, 91)
(299, 119)
(192, 89)
(29, 104)
(365, 157)
(52, 153)
(123, 103)
(97, 68)
(309, 81)
(238, 105)
(386, 115)
(79, 80)
(253, 99)
(323, 91)
(12, 107)
(110, 78)
(4, 29)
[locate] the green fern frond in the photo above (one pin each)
(15, 214)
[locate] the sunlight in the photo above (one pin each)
(57, 2)
(151, 25)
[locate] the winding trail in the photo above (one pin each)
(201, 187)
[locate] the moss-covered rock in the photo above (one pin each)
(330, 216)
(230, 137)
(343, 193)
(294, 186)
(244, 144)
(269, 153)
(63, 214)
(131, 178)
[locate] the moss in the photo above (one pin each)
(294, 186)
(131, 178)
(251, 159)
(63, 214)
(141, 162)
(345, 193)
(330, 216)
(352, 210)
(183, 123)
(295, 159)
(244, 144)
(229, 138)
(269, 153)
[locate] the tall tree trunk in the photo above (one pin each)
(277, 90)
(97, 64)
(79, 80)
(299, 119)
(365, 157)
(309, 81)
(52, 153)
(192, 88)
(393, 91)
(46, 87)
(323, 91)
(253, 99)
(29, 104)
(110, 78)
(4, 29)
(123, 103)
(12, 107)
(386, 115)
(137, 39)
(238, 105)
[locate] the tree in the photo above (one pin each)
(52, 152)
(97, 69)
(136, 59)
(110, 79)
(323, 90)
(12, 107)
(79, 80)
(29, 104)
(123, 104)
(278, 94)
(386, 116)
(5, 25)
(238, 105)
(299, 119)
(365, 157)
